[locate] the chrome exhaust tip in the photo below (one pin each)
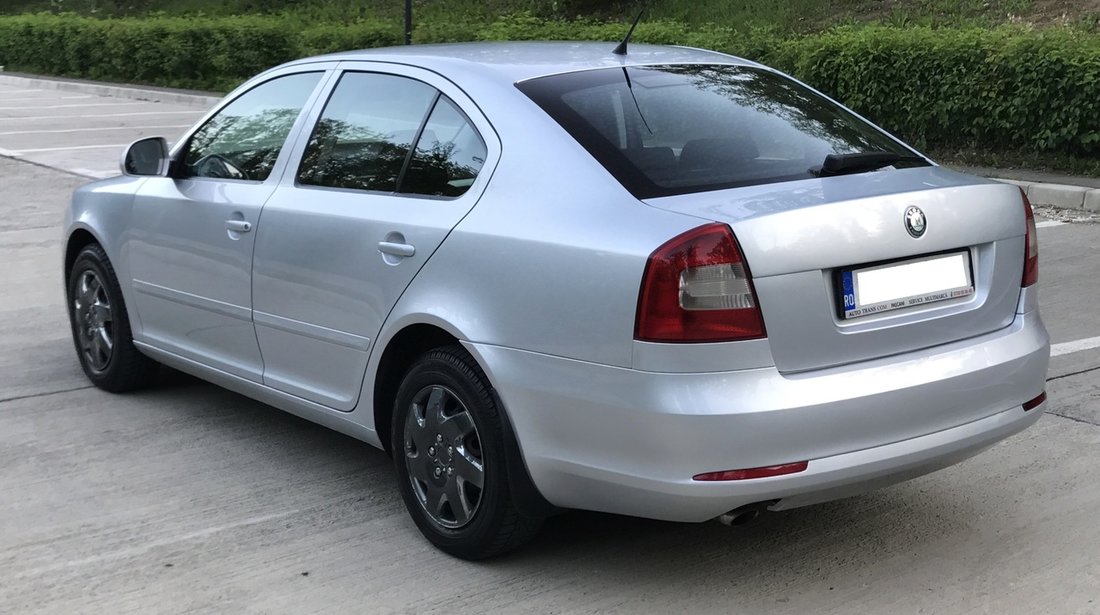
(744, 515)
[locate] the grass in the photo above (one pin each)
(787, 16)
(815, 15)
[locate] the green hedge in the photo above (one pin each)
(191, 53)
(1006, 88)
(1003, 88)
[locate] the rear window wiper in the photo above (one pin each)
(844, 164)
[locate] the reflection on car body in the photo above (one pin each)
(672, 284)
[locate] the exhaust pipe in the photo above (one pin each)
(744, 515)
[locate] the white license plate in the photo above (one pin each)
(895, 286)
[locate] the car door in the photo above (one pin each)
(394, 160)
(192, 233)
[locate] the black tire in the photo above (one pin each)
(496, 525)
(123, 368)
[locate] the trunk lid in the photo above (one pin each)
(798, 236)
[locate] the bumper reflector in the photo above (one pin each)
(780, 470)
(1029, 405)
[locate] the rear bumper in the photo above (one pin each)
(625, 441)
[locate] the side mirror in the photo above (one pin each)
(148, 156)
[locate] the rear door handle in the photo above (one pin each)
(396, 249)
(239, 226)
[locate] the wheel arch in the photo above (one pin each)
(399, 354)
(79, 239)
(401, 350)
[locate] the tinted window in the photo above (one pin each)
(663, 130)
(243, 140)
(448, 155)
(363, 137)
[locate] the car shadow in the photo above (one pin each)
(787, 547)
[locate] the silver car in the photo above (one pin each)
(669, 283)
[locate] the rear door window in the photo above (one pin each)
(676, 129)
(364, 135)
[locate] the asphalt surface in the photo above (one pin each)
(188, 498)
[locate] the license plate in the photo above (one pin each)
(894, 286)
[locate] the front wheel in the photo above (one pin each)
(449, 451)
(101, 326)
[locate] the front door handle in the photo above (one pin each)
(238, 226)
(396, 249)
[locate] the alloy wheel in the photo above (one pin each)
(443, 456)
(94, 321)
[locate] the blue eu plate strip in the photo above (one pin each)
(849, 290)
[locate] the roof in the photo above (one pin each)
(516, 61)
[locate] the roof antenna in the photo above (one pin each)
(621, 49)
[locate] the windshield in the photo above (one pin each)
(675, 129)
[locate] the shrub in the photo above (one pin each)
(1002, 88)
(361, 35)
(995, 89)
(195, 53)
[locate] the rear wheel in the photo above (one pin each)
(449, 452)
(101, 326)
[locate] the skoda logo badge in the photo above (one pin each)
(914, 221)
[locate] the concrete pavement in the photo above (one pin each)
(189, 498)
(79, 129)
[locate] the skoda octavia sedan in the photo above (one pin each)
(669, 283)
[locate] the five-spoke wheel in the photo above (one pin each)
(95, 327)
(101, 327)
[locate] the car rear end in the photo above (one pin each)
(817, 334)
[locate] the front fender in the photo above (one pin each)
(103, 209)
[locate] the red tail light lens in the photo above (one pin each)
(1031, 245)
(697, 288)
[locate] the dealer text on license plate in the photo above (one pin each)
(898, 285)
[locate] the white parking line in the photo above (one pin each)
(5, 99)
(81, 117)
(79, 106)
(9, 153)
(1043, 224)
(66, 130)
(71, 147)
(1074, 346)
(94, 174)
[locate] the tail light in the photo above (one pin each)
(697, 288)
(1031, 245)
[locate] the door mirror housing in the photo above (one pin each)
(146, 157)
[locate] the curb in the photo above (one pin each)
(178, 97)
(1059, 195)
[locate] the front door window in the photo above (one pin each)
(243, 140)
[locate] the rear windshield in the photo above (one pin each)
(675, 129)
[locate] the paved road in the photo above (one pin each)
(189, 498)
(81, 132)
